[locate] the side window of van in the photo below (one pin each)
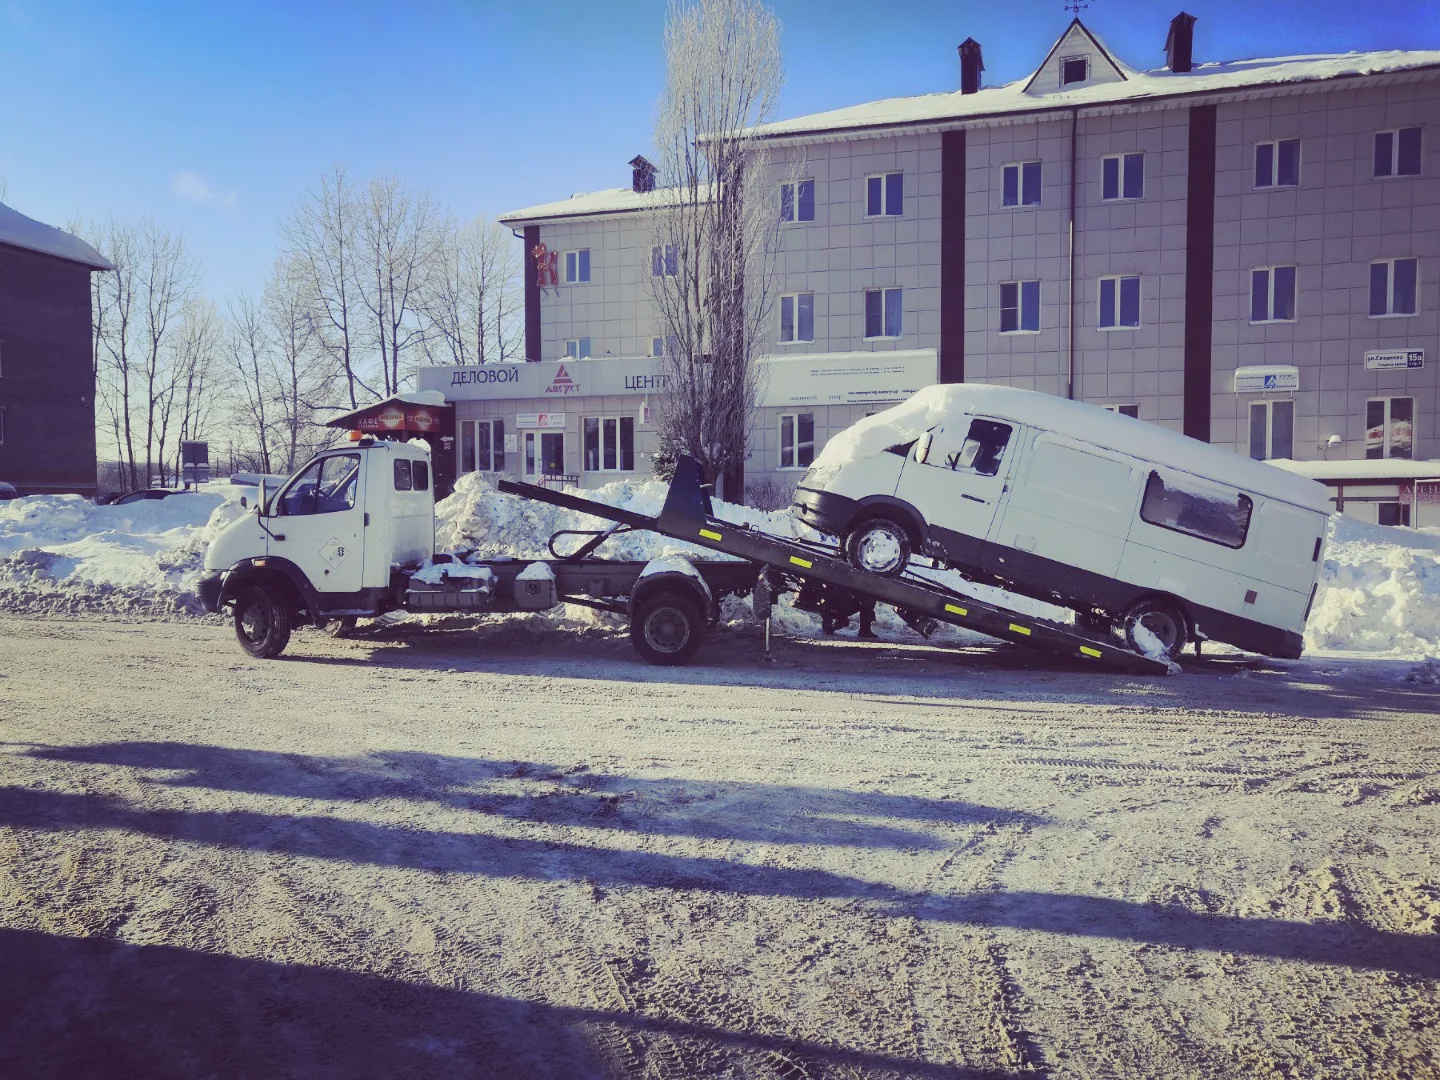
(1197, 508)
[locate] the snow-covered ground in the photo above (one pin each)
(1379, 594)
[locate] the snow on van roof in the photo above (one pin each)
(1075, 419)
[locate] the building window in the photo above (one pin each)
(1074, 69)
(577, 266)
(797, 440)
(885, 195)
(1277, 164)
(797, 317)
(882, 313)
(1122, 176)
(578, 348)
(669, 345)
(609, 443)
(1394, 287)
(1397, 152)
(1195, 507)
(1393, 513)
(1272, 294)
(1020, 184)
(1019, 307)
(1272, 429)
(482, 446)
(664, 262)
(797, 201)
(1132, 411)
(1390, 427)
(1119, 303)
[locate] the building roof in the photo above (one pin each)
(1374, 470)
(1136, 87)
(19, 231)
(595, 203)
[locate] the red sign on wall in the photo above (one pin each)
(398, 417)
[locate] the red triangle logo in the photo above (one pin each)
(562, 378)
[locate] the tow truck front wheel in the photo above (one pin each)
(262, 622)
(667, 628)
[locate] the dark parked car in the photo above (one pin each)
(142, 495)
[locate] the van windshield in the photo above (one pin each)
(978, 451)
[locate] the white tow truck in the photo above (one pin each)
(352, 535)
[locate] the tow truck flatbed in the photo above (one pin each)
(688, 515)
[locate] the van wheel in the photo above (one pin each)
(1162, 619)
(341, 626)
(666, 628)
(262, 623)
(878, 545)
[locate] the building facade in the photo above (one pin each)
(1246, 252)
(47, 374)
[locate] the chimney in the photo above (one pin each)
(970, 66)
(643, 178)
(1177, 45)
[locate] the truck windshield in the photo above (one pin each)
(326, 487)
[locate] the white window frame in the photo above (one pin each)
(1019, 167)
(1270, 404)
(794, 299)
(1073, 82)
(885, 178)
(1133, 413)
(1120, 160)
(1274, 183)
(572, 267)
(1020, 307)
(1395, 173)
(795, 218)
(617, 420)
(885, 297)
(1270, 295)
(797, 445)
(1390, 312)
(578, 348)
(462, 466)
(668, 256)
(1385, 442)
(1118, 280)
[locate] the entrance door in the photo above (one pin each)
(544, 454)
(321, 516)
(955, 476)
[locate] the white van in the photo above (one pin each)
(1126, 522)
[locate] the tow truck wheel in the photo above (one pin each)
(340, 626)
(1162, 619)
(878, 545)
(667, 628)
(262, 623)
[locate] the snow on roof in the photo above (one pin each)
(609, 201)
(1375, 469)
(1075, 419)
(417, 397)
(1138, 87)
(19, 231)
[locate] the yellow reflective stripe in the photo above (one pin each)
(709, 534)
(956, 610)
(799, 561)
(1020, 629)
(1089, 651)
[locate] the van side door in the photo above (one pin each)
(955, 477)
(321, 516)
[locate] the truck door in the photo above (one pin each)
(955, 477)
(321, 517)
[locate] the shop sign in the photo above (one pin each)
(562, 383)
(1264, 378)
(1394, 359)
(1424, 491)
(399, 417)
(540, 420)
(848, 378)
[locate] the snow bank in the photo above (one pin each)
(65, 553)
(1380, 591)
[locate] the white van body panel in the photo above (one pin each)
(877, 475)
(402, 521)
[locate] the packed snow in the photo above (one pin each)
(20, 231)
(1379, 593)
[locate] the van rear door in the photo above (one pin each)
(955, 477)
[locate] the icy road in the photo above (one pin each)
(462, 854)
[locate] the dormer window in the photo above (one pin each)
(1074, 69)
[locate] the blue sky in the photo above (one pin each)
(216, 117)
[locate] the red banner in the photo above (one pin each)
(398, 417)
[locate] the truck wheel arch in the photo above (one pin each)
(279, 575)
(669, 615)
(898, 511)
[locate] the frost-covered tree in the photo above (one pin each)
(716, 225)
(474, 304)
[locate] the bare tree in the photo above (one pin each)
(716, 225)
(474, 300)
(296, 374)
(198, 380)
(247, 349)
(402, 239)
(323, 243)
